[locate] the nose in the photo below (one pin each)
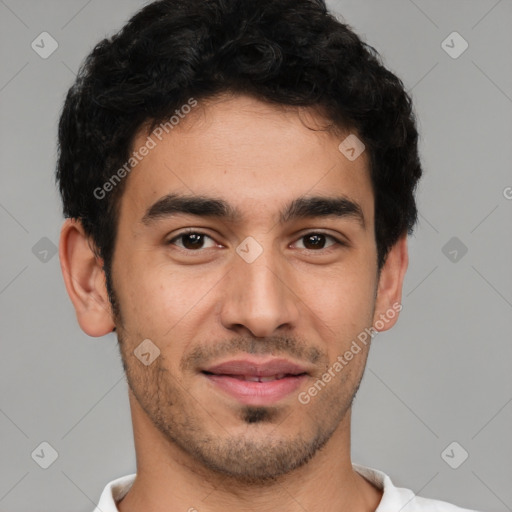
(258, 297)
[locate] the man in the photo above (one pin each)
(238, 179)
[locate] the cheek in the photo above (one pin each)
(159, 301)
(342, 297)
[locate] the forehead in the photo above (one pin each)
(255, 156)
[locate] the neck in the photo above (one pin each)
(170, 480)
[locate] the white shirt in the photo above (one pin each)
(394, 499)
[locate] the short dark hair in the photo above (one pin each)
(289, 52)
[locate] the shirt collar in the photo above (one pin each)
(118, 488)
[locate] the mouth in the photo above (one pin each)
(257, 378)
(253, 382)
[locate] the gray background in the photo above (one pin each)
(441, 375)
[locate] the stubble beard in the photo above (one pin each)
(254, 460)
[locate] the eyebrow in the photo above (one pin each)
(211, 207)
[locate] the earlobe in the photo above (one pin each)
(85, 280)
(389, 291)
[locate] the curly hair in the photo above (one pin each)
(290, 52)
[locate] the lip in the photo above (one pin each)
(227, 377)
(257, 393)
(255, 367)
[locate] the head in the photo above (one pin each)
(226, 120)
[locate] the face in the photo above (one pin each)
(277, 264)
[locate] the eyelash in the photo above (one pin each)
(196, 232)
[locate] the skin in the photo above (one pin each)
(196, 447)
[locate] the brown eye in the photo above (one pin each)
(192, 240)
(317, 241)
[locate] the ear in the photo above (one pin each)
(389, 290)
(85, 280)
